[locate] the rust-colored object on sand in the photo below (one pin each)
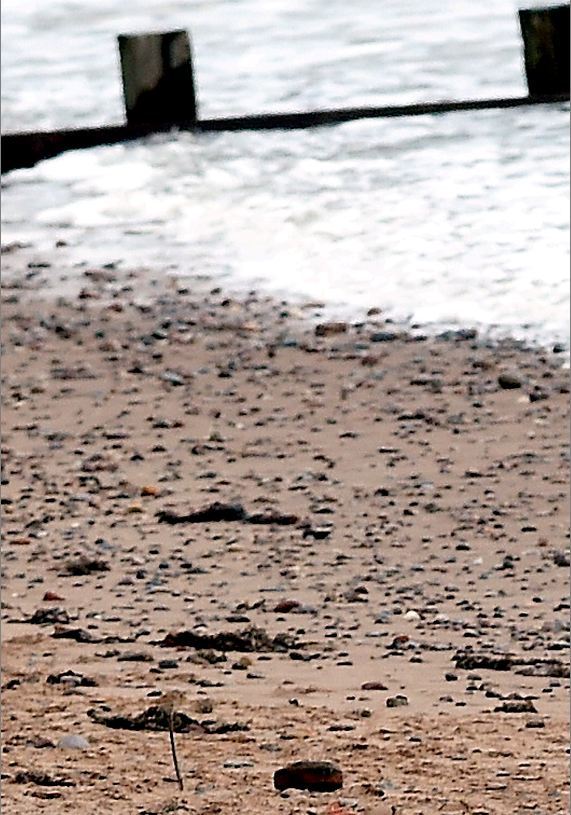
(315, 776)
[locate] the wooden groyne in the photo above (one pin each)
(159, 94)
(26, 149)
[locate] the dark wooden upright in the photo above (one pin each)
(545, 34)
(158, 82)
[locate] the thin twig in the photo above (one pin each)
(168, 703)
(173, 750)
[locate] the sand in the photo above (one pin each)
(401, 529)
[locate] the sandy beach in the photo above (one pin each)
(339, 542)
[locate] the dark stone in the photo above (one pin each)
(373, 686)
(166, 664)
(137, 656)
(459, 334)
(314, 776)
(384, 336)
(73, 678)
(397, 701)
(509, 381)
(329, 329)
(77, 634)
(285, 606)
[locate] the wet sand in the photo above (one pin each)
(395, 555)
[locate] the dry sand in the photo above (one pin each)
(428, 555)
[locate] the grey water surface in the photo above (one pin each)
(459, 219)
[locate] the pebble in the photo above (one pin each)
(73, 742)
(374, 685)
(329, 329)
(168, 663)
(237, 763)
(509, 381)
(314, 776)
(384, 336)
(397, 701)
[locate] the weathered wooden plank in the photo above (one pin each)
(158, 82)
(26, 149)
(290, 121)
(545, 33)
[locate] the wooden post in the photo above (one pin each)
(545, 34)
(158, 84)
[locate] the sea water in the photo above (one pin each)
(450, 220)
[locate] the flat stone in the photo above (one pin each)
(315, 776)
(373, 685)
(73, 742)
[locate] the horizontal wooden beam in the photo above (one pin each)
(27, 149)
(295, 121)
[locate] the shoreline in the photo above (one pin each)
(425, 483)
(24, 267)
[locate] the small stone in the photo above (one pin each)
(384, 336)
(173, 378)
(329, 329)
(397, 701)
(411, 615)
(285, 606)
(315, 776)
(165, 664)
(73, 742)
(237, 763)
(508, 381)
(149, 489)
(317, 532)
(373, 685)
(459, 334)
